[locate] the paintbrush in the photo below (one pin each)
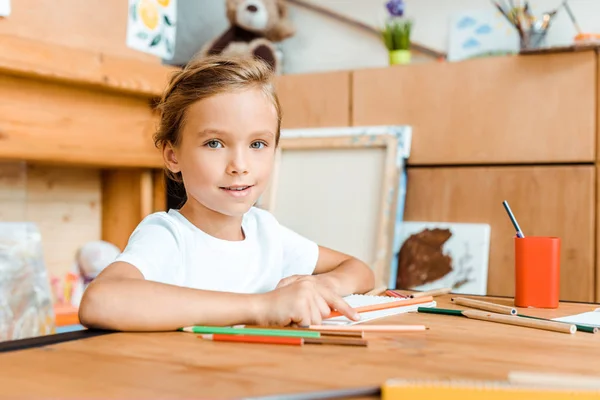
(571, 16)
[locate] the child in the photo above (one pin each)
(219, 260)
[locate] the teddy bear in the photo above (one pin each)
(255, 25)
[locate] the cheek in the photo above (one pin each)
(199, 167)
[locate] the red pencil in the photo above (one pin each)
(391, 293)
(295, 341)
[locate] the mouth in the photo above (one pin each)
(237, 190)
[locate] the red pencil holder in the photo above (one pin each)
(537, 272)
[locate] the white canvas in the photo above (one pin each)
(151, 27)
(468, 249)
(479, 33)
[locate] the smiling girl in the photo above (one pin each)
(218, 260)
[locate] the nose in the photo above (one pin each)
(237, 164)
(252, 8)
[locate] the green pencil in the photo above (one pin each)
(251, 331)
(444, 311)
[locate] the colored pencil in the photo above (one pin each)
(294, 341)
(443, 311)
(505, 319)
(432, 293)
(325, 394)
(385, 306)
(252, 331)
(370, 328)
(515, 320)
(484, 305)
(329, 333)
(392, 293)
(581, 328)
(337, 341)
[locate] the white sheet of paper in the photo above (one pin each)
(363, 300)
(4, 8)
(590, 318)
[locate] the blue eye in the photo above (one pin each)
(257, 145)
(213, 144)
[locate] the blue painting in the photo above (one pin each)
(480, 33)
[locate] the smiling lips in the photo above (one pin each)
(237, 190)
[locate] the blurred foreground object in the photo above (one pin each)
(26, 308)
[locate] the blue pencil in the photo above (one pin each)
(513, 219)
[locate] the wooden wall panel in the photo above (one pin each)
(42, 121)
(598, 177)
(98, 25)
(492, 110)
(547, 201)
(127, 197)
(159, 191)
(314, 100)
(63, 202)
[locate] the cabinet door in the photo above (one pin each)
(315, 100)
(547, 201)
(492, 110)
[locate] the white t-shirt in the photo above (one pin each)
(168, 248)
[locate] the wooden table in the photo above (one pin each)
(177, 364)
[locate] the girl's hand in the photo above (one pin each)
(321, 280)
(301, 301)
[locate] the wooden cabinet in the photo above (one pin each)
(547, 201)
(315, 100)
(495, 110)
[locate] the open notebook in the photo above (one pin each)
(360, 300)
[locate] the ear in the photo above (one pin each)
(170, 158)
(284, 28)
(231, 11)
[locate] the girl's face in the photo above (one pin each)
(227, 150)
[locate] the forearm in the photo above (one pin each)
(351, 276)
(138, 305)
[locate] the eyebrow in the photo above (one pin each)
(208, 132)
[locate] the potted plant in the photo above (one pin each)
(396, 33)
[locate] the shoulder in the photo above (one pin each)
(161, 224)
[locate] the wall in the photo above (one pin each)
(65, 203)
(323, 45)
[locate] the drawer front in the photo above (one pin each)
(527, 109)
(314, 100)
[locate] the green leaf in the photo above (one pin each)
(156, 40)
(168, 46)
(134, 12)
(167, 20)
(142, 35)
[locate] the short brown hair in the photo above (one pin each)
(205, 77)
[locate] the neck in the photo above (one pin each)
(220, 226)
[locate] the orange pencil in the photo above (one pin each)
(295, 341)
(384, 306)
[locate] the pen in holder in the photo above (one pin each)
(537, 268)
